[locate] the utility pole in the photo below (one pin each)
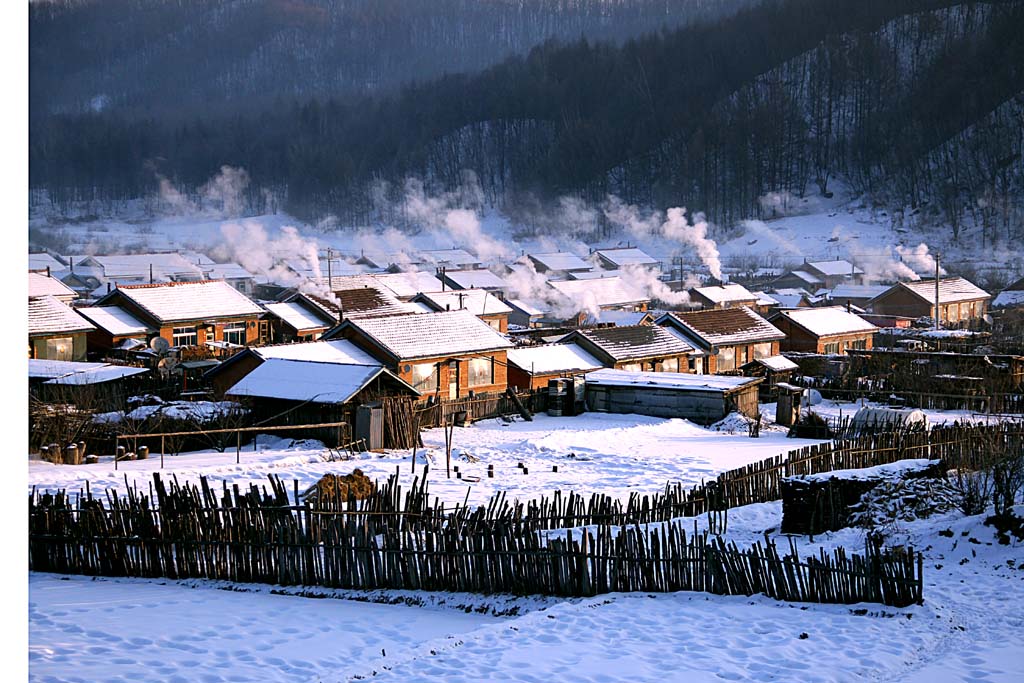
(937, 314)
(330, 281)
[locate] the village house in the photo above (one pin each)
(765, 303)
(615, 259)
(208, 313)
(472, 279)
(606, 294)
(855, 295)
(815, 275)
(363, 296)
(138, 268)
(791, 298)
(479, 302)
(531, 367)
(723, 296)
(960, 301)
(42, 284)
(448, 354)
(558, 263)
(828, 330)
(646, 348)
(300, 317)
(593, 274)
(1011, 297)
(617, 319)
(229, 372)
(525, 315)
(407, 284)
(44, 262)
(116, 328)
(55, 331)
(728, 337)
(456, 259)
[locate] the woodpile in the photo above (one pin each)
(342, 487)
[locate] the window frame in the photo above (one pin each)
(234, 328)
(51, 345)
(421, 384)
(177, 332)
(473, 372)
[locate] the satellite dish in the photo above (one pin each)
(987, 318)
(159, 344)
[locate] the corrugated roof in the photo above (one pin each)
(432, 335)
(828, 321)
(185, 301)
(39, 284)
(630, 256)
(476, 301)
(47, 315)
(681, 381)
(474, 279)
(951, 290)
(726, 326)
(296, 380)
(300, 317)
(624, 344)
(115, 320)
(551, 358)
(409, 284)
(721, 294)
(560, 260)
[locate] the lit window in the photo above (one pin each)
(726, 359)
(762, 350)
(670, 365)
(481, 371)
(425, 377)
(61, 348)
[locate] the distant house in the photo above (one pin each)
(407, 284)
(639, 348)
(829, 330)
(531, 367)
(593, 274)
(703, 399)
(1011, 297)
(473, 279)
(300, 317)
(558, 262)
(790, 298)
(479, 302)
(458, 259)
(855, 295)
(525, 314)
(613, 293)
(439, 354)
(44, 262)
(140, 268)
(765, 303)
(614, 259)
(232, 273)
(959, 300)
(618, 319)
(815, 275)
(41, 284)
(208, 313)
(55, 331)
(362, 296)
(338, 351)
(723, 296)
(728, 337)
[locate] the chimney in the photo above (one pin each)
(150, 273)
(71, 263)
(108, 286)
(48, 271)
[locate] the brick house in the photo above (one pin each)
(723, 296)
(829, 330)
(114, 327)
(55, 331)
(530, 367)
(208, 313)
(479, 302)
(729, 337)
(445, 354)
(639, 348)
(959, 300)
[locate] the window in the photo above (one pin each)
(857, 344)
(632, 367)
(832, 347)
(184, 336)
(425, 377)
(235, 333)
(481, 371)
(496, 324)
(670, 365)
(726, 359)
(61, 348)
(763, 350)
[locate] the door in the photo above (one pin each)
(453, 380)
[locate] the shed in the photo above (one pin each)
(530, 367)
(703, 399)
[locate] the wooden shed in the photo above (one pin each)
(703, 399)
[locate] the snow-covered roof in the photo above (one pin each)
(765, 299)
(724, 327)
(550, 358)
(43, 260)
(102, 372)
(524, 306)
(184, 301)
(474, 279)
(629, 256)
(624, 344)
(721, 294)
(776, 363)
(681, 381)
(334, 351)
(296, 380)
(837, 267)
(431, 335)
(951, 290)
(47, 315)
(300, 317)
(165, 266)
(609, 291)
(857, 291)
(1009, 297)
(409, 284)
(594, 274)
(51, 369)
(806, 277)
(226, 271)
(828, 321)
(560, 260)
(476, 301)
(39, 284)
(115, 320)
(620, 318)
(458, 257)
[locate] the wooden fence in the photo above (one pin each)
(479, 407)
(255, 536)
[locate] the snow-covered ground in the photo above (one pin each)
(605, 453)
(969, 628)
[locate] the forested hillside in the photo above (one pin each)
(916, 102)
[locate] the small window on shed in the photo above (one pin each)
(60, 348)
